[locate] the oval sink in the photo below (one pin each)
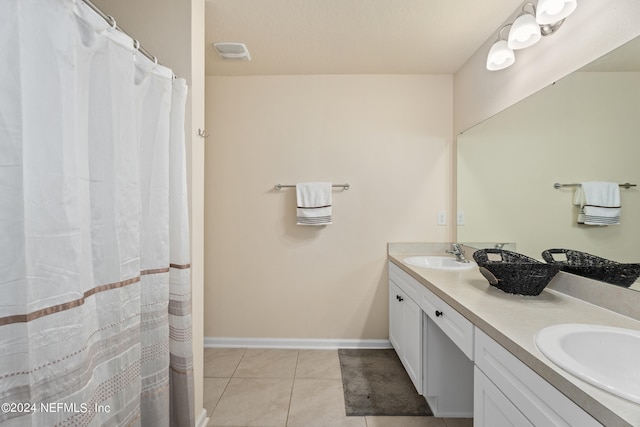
(439, 263)
(604, 356)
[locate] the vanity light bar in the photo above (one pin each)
(557, 185)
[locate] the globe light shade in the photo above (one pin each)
(524, 32)
(500, 56)
(552, 11)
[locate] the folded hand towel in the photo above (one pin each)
(599, 203)
(314, 203)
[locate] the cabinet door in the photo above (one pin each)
(538, 400)
(405, 332)
(395, 318)
(491, 408)
(412, 329)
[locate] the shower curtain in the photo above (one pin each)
(95, 300)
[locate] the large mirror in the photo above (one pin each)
(584, 127)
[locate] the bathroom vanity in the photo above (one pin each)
(469, 349)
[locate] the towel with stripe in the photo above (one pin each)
(599, 203)
(313, 203)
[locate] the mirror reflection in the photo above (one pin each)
(585, 127)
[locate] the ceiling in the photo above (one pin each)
(291, 37)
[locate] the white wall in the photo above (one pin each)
(388, 136)
(196, 167)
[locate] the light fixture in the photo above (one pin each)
(500, 55)
(553, 11)
(525, 31)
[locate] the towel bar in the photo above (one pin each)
(281, 186)
(557, 185)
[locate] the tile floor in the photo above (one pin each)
(292, 388)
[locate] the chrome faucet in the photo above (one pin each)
(458, 252)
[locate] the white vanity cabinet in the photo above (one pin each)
(509, 393)
(434, 343)
(461, 370)
(405, 323)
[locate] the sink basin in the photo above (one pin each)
(439, 263)
(604, 356)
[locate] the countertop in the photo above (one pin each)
(513, 321)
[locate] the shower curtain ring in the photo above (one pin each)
(136, 45)
(112, 22)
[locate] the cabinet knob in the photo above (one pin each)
(439, 313)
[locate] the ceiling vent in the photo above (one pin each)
(232, 51)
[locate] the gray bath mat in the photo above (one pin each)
(375, 383)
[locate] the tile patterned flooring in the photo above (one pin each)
(287, 388)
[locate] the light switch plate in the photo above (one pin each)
(442, 217)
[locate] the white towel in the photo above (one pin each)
(314, 203)
(599, 203)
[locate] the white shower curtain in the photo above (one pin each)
(95, 301)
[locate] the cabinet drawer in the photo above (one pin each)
(452, 323)
(540, 402)
(406, 283)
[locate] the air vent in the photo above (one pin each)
(232, 51)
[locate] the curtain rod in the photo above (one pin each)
(112, 21)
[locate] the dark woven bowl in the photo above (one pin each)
(594, 267)
(513, 272)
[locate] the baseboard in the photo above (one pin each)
(294, 343)
(203, 419)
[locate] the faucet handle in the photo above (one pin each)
(458, 252)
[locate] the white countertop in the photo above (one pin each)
(513, 321)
